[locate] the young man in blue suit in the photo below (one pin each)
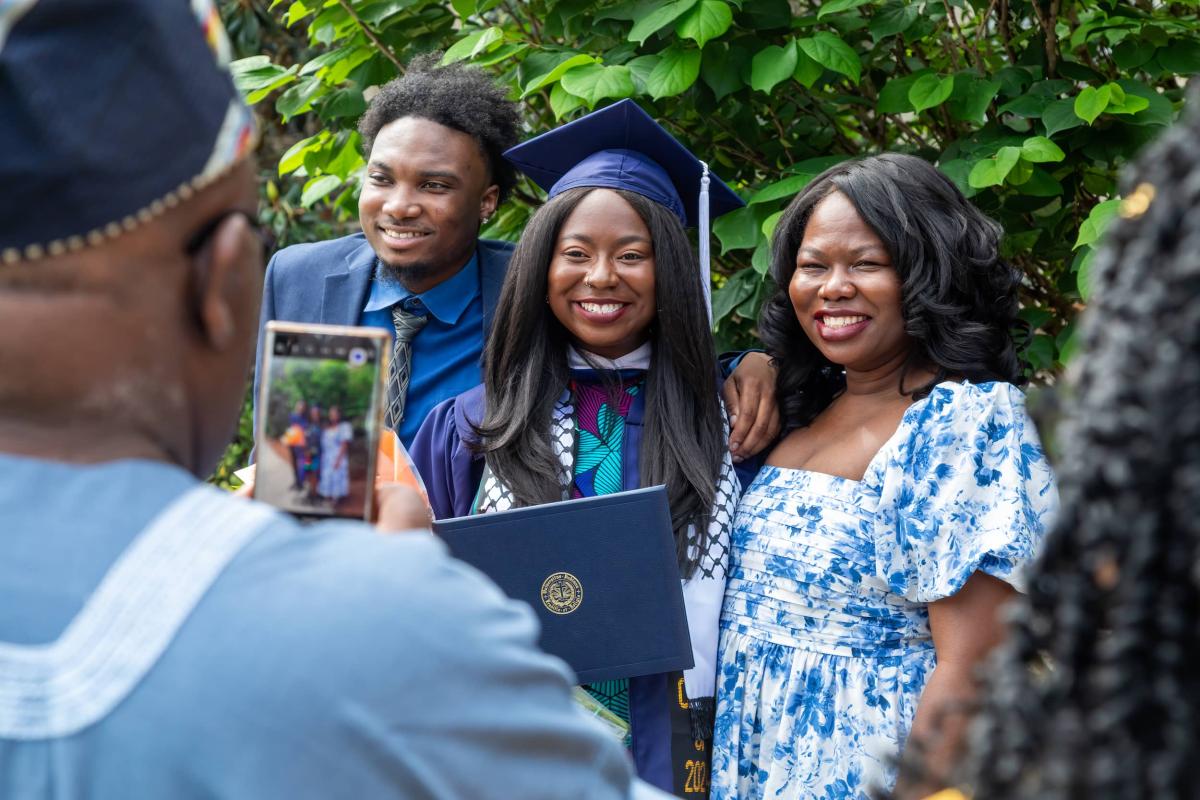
(435, 173)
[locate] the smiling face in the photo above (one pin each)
(845, 291)
(426, 192)
(604, 243)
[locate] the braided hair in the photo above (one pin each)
(1115, 599)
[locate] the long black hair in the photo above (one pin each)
(959, 298)
(1115, 600)
(525, 372)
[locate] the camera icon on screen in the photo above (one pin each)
(357, 357)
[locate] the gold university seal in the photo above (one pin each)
(562, 593)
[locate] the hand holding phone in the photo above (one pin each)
(319, 418)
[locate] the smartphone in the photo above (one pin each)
(320, 413)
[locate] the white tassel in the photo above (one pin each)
(705, 269)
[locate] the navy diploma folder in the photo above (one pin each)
(600, 573)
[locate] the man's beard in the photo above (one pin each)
(408, 274)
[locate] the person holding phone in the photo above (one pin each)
(601, 377)
(159, 637)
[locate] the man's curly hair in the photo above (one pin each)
(1115, 599)
(458, 97)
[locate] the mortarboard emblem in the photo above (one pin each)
(562, 593)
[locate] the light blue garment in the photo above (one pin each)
(446, 352)
(325, 661)
(825, 645)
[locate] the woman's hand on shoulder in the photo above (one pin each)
(749, 395)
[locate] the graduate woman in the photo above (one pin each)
(600, 376)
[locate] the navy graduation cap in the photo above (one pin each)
(622, 147)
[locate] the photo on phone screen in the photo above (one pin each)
(318, 426)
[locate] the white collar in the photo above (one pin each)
(638, 359)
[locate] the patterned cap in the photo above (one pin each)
(113, 111)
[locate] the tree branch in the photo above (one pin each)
(370, 34)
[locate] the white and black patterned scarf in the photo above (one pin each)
(704, 592)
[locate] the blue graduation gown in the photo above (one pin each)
(452, 472)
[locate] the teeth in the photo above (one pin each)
(601, 308)
(842, 322)
(404, 234)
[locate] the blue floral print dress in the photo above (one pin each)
(825, 645)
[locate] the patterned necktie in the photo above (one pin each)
(407, 323)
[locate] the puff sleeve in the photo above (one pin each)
(966, 489)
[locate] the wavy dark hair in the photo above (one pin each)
(1115, 599)
(525, 372)
(959, 297)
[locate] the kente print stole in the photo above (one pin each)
(600, 414)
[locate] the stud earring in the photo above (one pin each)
(587, 282)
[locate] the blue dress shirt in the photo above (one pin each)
(446, 352)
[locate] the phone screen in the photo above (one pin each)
(318, 419)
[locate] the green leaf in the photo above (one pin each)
(473, 44)
(761, 262)
(595, 82)
(291, 160)
(1040, 352)
(641, 69)
(706, 20)
(659, 18)
(892, 19)
(893, 97)
(563, 102)
(1091, 102)
(807, 71)
(1132, 53)
(768, 225)
(256, 74)
(1030, 105)
(992, 171)
(930, 91)
(740, 286)
(781, 188)
(326, 60)
(317, 188)
(296, 12)
(1083, 276)
(1131, 104)
(501, 53)
(464, 8)
(838, 6)
(568, 61)
(971, 98)
(832, 53)
(1060, 116)
(772, 65)
(1181, 56)
(676, 71)
(1021, 173)
(1097, 222)
(1039, 150)
(1160, 111)
(298, 98)
(721, 69)
(737, 230)
(1041, 184)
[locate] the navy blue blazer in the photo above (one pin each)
(328, 282)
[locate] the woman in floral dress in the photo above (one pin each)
(874, 548)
